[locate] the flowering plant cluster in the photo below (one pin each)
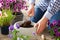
(15, 5)
(14, 33)
(7, 7)
(54, 29)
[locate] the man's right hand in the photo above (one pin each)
(30, 11)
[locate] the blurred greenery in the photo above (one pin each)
(5, 21)
(21, 36)
(51, 32)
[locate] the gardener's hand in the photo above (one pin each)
(30, 11)
(41, 25)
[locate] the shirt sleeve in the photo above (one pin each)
(32, 1)
(53, 7)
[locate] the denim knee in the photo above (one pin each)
(37, 15)
(56, 16)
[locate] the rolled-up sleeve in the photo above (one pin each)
(31, 1)
(53, 7)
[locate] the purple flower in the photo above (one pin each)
(14, 4)
(51, 25)
(59, 33)
(11, 27)
(55, 25)
(55, 30)
(58, 23)
(10, 35)
(34, 33)
(17, 7)
(7, 6)
(18, 26)
(20, 0)
(56, 34)
(20, 5)
(26, 8)
(14, 0)
(10, 1)
(1, 1)
(48, 22)
(54, 22)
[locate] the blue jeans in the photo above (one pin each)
(55, 17)
(39, 13)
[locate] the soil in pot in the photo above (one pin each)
(26, 24)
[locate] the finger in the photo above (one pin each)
(33, 12)
(29, 9)
(29, 12)
(36, 25)
(38, 29)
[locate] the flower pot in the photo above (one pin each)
(18, 17)
(5, 30)
(25, 24)
(26, 30)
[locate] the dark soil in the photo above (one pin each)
(26, 24)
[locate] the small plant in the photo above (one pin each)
(6, 20)
(14, 33)
(54, 29)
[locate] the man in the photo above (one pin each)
(42, 12)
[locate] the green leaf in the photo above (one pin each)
(21, 36)
(14, 34)
(25, 37)
(51, 32)
(57, 38)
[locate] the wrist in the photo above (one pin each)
(44, 19)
